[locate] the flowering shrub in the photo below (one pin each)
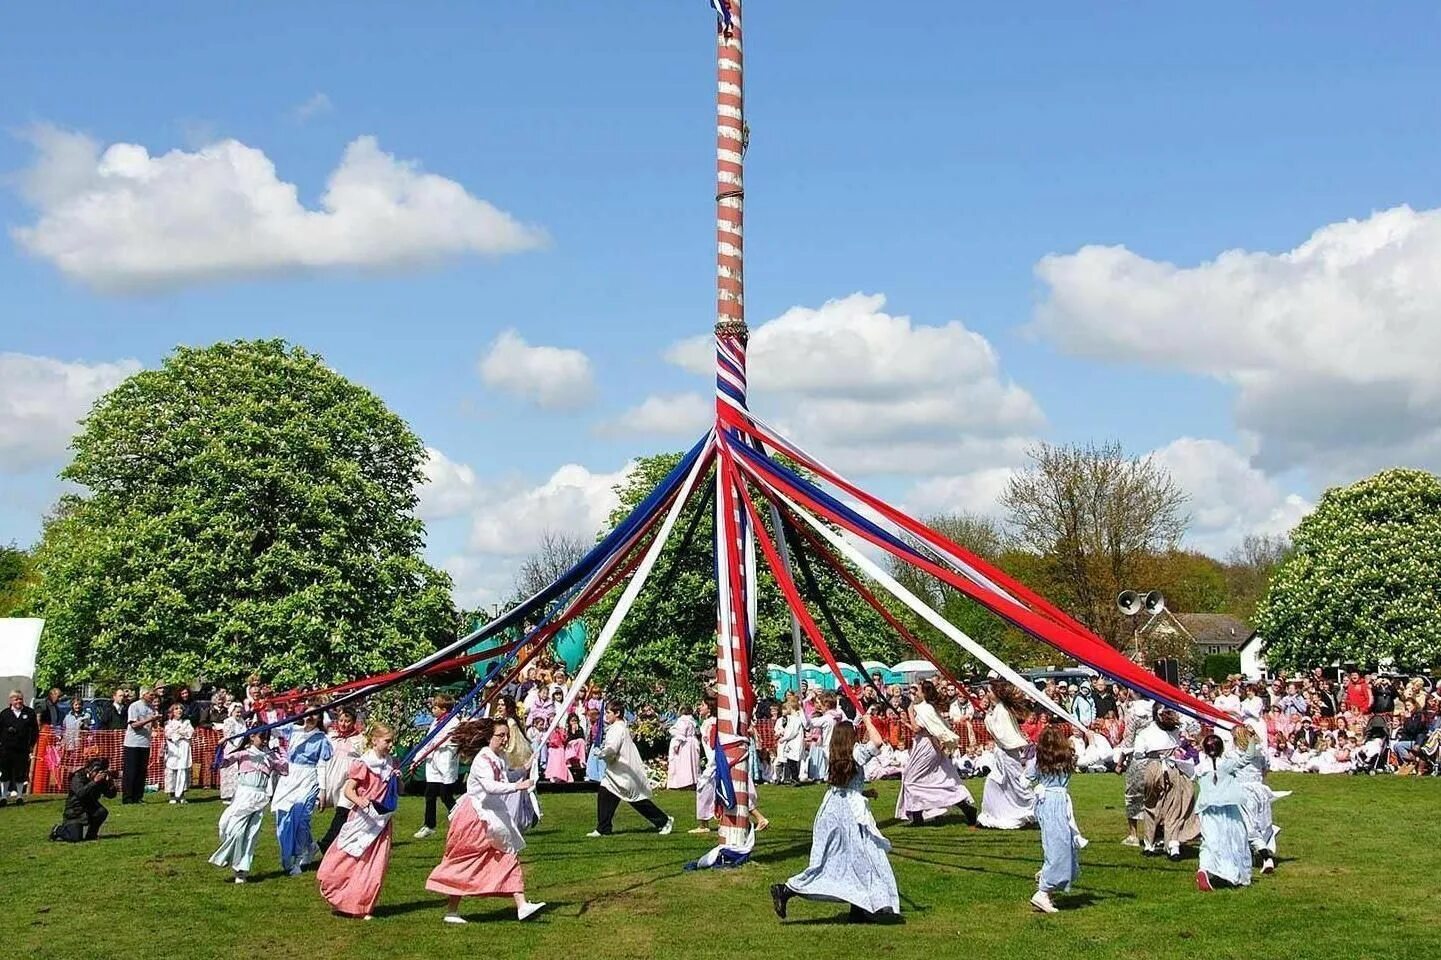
(1364, 583)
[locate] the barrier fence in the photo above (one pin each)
(56, 757)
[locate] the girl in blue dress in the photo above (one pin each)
(1225, 849)
(1050, 775)
(848, 853)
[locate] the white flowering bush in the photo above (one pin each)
(1364, 583)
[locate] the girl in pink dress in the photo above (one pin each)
(557, 770)
(354, 867)
(482, 841)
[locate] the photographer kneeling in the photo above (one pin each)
(84, 813)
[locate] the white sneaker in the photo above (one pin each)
(1042, 902)
(454, 918)
(423, 832)
(1173, 851)
(1268, 865)
(1131, 841)
(183, 800)
(295, 870)
(669, 826)
(239, 878)
(595, 833)
(173, 801)
(528, 910)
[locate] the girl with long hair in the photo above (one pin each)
(1225, 851)
(848, 861)
(517, 757)
(1261, 829)
(1051, 771)
(930, 783)
(482, 842)
(354, 867)
(1007, 803)
(683, 761)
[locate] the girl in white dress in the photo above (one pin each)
(1008, 802)
(178, 734)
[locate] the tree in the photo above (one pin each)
(245, 509)
(667, 645)
(556, 554)
(1363, 584)
(982, 536)
(1097, 516)
(1249, 568)
(17, 577)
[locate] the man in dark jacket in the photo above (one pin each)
(18, 733)
(84, 813)
(111, 715)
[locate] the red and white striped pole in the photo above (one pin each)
(735, 566)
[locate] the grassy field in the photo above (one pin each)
(1357, 879)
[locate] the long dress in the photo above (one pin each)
(848, 861)
(1169, 809)
(1007, 803)
(684, 756)
(517, 756)
(1060, 841)
(354, 867)
(297, 793)
(240, 823)
(930, 783)
(1225, 851)
(482, 841)
(178, 734)
(557, 766)
(1261, 829)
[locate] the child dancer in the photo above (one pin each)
(354, 868)
(1261, 829)
(574, 748)
(346, 743)
(482, 841)
(684, 757)
(297, 793)
(233, 727)
(1225, 852)
(1050, 772)
(442, 764)
(848, 853)
(790, 742)
(240, 823)
(930, 783)
(1007, 802)
(705, 783)
(625, 778)
(178, 734)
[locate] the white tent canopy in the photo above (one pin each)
(19, 642)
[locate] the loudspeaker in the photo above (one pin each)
(1169, 670)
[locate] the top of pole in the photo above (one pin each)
(731, 135)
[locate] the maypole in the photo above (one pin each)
(734, 553)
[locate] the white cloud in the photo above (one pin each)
(42, 400)
(573, 500)
(976, 492)
(877, 393)
(553, 378)
(1229, 498)
(123, 220)
(314, 106)
(1331, 346)
(450, 488)
(667, 415)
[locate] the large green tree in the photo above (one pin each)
(668, 640)
(244, 507)
(1363, 583)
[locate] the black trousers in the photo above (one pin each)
(132, 778)
(445, 792)
(337, 820)
(606, 803)
(790, 771)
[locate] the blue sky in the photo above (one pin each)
(933, 154)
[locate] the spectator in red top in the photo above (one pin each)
(1358, 693)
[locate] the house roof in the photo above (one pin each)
(1216, 629)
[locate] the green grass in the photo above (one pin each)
(1358, 879)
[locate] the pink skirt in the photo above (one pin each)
(351, 885)
(556, 767)
(473, 866)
